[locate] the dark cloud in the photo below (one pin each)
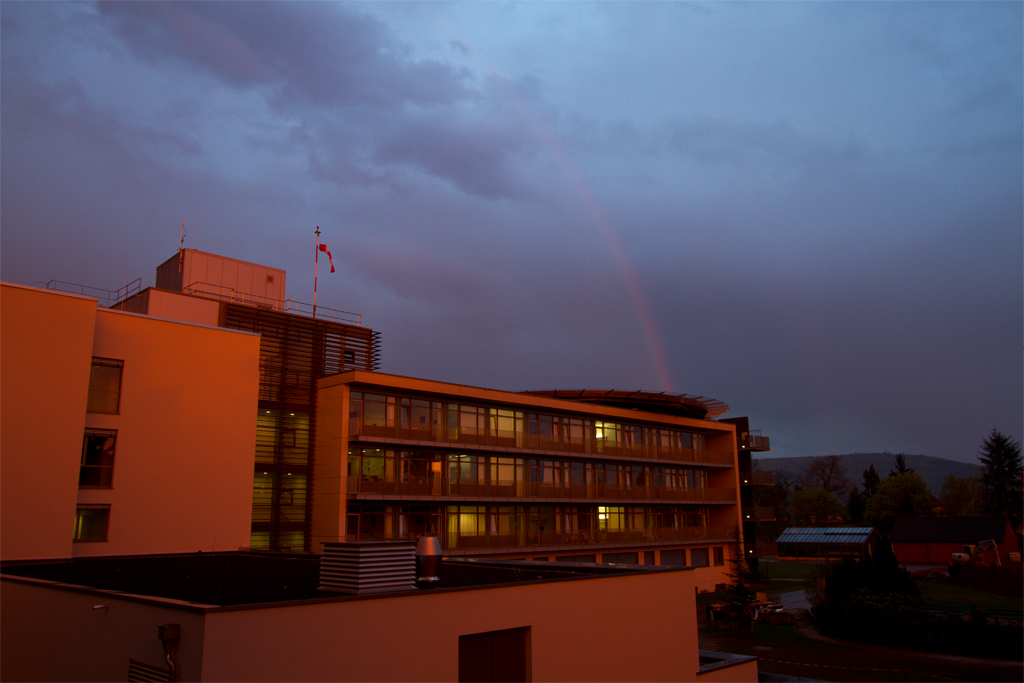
(820, 204)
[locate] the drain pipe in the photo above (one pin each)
(169, 635)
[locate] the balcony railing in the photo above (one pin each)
(524, 539)
(758, 514)
(755, 478)
(223, 293)
(369, 429)
(438, 486)
(759, 549)
(754, 442)
(107, 297)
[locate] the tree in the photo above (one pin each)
(826, 472)
(900, 463)
(899, 495)
(855, 504)
(816, 506)
(871, 481)
(962, 496)
(1002, 476)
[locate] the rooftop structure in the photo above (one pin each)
(245, 616)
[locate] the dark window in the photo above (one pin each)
(91, 523)
(105, 386)
(97, 468)
(673, 558)
(699, 557)
(495, 656)
(648, 557)
(576, 558)
(719, 557)
(620, 558)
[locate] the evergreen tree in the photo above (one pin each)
(1002, 476)
(900, 463)
(855, 504)
(871, 481)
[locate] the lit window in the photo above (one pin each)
(97, 469)
(91, 523)
(105, 386)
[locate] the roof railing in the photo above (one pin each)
(107, 297)
(224, 293)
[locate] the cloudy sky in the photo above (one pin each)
(810, 211)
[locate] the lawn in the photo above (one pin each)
(940, 593)
(788, 570)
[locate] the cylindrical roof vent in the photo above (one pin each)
(428, 561)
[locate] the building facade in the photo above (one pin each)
(121, 433)
(758, 543)
(298, 345)
(527, 475)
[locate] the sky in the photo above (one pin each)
(810, 211)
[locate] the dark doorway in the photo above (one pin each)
(495, 656)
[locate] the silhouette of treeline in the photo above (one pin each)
(933, 470)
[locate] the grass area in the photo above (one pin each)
(940, 593)
(788, 570)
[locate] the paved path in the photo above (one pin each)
(793, 600)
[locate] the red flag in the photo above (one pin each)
(323, 248)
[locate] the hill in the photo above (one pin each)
(933, 470)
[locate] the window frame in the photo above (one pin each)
(110, 434)
(98, 362)
(79, 510)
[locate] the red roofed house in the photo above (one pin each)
(931, 540)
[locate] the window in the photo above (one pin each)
(97, 469)
(699, 557)
(105, 386)
(91, 523)
(673, 557)
(719, 557)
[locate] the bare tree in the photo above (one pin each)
(827, 472)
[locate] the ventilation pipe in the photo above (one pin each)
(428, 561)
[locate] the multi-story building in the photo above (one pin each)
(121, 433)
(299, 343)
(758, 541)
(584, 476)
(344, 452)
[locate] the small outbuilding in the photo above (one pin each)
(932, 540)
(822, 543)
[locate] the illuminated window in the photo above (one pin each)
(97, 468)
(105, 386)
(91, 523)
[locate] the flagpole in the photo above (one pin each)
(316, 263)
(181, 249)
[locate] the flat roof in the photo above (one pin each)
(680, 405)
(226, 579)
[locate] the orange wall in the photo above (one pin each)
(53, 634)
(45, 351)
(186, 435)
(639, 627)
(330, 474)
(180, 307)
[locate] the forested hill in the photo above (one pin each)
(934, 470)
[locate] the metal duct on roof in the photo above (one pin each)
(371, 567)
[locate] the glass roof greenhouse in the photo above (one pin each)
(829, 541)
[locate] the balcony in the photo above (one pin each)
(754, 442)
(752, 478)
(466, 544)
(760, 549)
(395, 431)
(438, 487)
(758, 514)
